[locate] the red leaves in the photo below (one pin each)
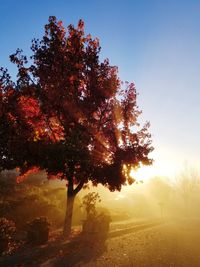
(25, 174)
(59, 175)
(44, 128)
(56, 130)
(73, 116)
(11, 117)
(81, 25)
(29, 106)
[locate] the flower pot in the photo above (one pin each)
(38, 236)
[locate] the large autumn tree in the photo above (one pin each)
(69, 114)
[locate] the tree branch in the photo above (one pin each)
(79, 187)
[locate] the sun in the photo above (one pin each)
(145, 173)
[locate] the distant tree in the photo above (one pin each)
(187, 184)
(160, 190)
(70, 115)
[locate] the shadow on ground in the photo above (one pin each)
(82, 249)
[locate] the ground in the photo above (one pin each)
(164, 245)
(172, 244)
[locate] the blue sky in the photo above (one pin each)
(154, 43)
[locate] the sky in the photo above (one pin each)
(155, 44)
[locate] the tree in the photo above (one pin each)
(161, 190)
(188, 184)
(70, 115)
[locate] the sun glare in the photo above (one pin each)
(145, 173)
(120, 196)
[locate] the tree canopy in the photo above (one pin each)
(69, 114)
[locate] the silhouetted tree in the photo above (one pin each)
(70, 115)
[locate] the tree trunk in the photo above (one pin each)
(68, 214)
(71, 193)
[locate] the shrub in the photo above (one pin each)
(7, 231)
(38, 231)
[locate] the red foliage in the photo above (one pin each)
(25, 174)
(69, 113)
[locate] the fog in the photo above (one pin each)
(156, 221)
(159, 197)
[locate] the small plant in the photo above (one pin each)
(89, 202)
(38, 231)
(7, 231)
(95, 224)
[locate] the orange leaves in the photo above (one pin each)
(29, 106)
(44, 128)
(48, 129)
(81, 25)
(24, 176)
(56, 131)
(130, 180)
(60, 23)
(37, 135)
(89, 37)
(78, 65)
(11, 117)
(53, 176)
(127, 173)
(94, 44)
(61, 27)
(73, 115)
(72, 78)
(32, 115)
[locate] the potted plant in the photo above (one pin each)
(89, 203)
(7, 230)
(96, 225)
(38, 231)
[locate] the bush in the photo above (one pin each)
(38, 231)
(7, 231)
(96, 228)
(96, 225)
